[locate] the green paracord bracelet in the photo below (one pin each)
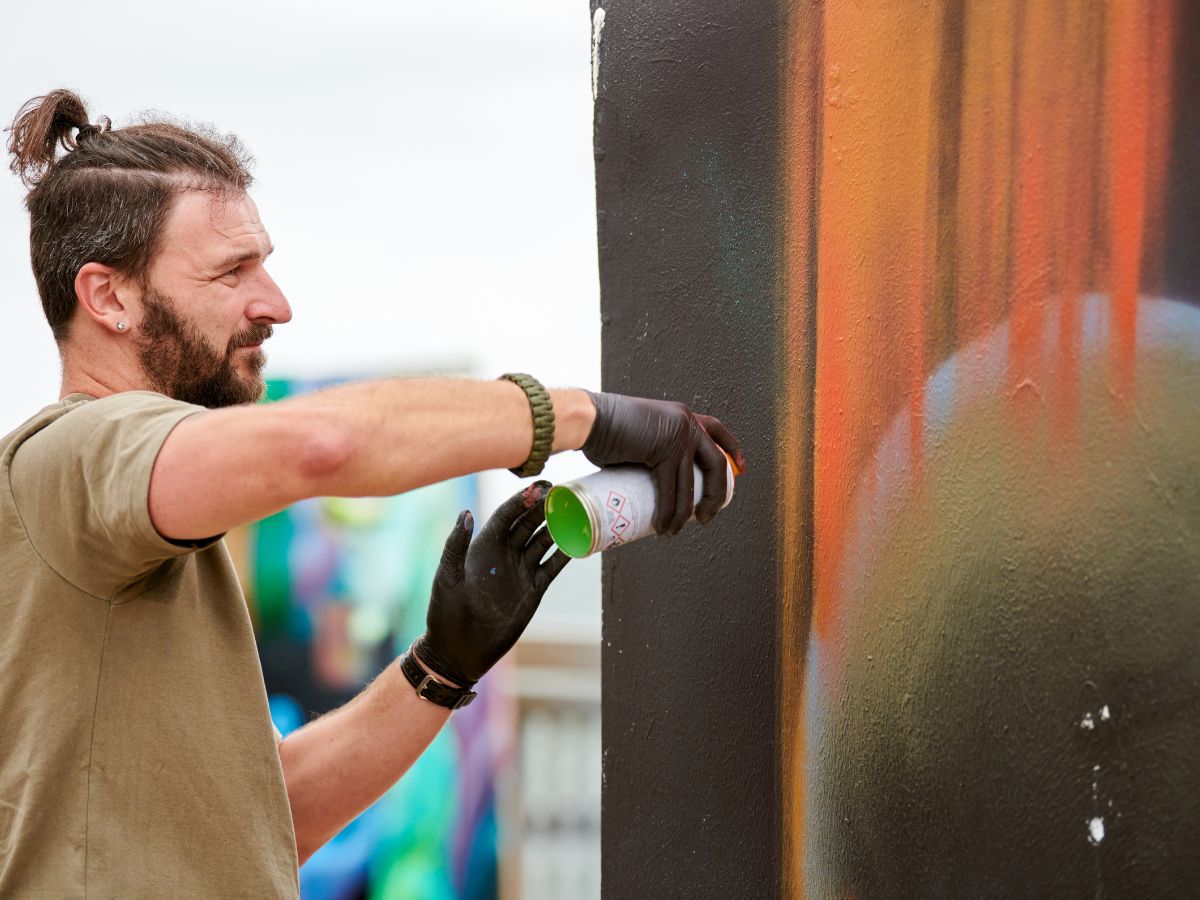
(543, 423)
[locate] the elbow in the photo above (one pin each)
(324, 453)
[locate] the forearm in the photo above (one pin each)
(403, 434)
(337, 766)
(223, 468)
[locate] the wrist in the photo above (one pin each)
(541, 409)
(432, 687)
(428, 671)
(574, 414)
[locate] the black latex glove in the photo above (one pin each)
(670, 439)
(485, 591)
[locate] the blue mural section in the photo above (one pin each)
(338, 588)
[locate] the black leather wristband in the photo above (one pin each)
(429, 688)
(542, 411)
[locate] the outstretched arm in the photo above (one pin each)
(227, 467)
(224, 468)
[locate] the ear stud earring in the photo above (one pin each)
(120, 326)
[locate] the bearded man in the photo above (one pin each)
(137, 755)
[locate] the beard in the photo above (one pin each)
(180, 363)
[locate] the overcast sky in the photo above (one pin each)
(425, 172)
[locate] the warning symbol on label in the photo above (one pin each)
(620, 525)
(616, 501)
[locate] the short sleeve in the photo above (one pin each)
(82, 487)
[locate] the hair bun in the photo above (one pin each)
(41, 126)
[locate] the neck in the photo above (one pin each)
(83, 379)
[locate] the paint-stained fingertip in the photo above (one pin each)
(536, 492)
(466, 520)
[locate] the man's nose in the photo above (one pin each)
(268, 304)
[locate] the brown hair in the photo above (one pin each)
(106, 199)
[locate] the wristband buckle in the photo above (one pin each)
(435, 692)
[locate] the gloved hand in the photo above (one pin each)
(669, 439)
(486, 591)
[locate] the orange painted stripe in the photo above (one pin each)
(800, 130)
(1030, 237)
(1129, 121)
(1078, 137)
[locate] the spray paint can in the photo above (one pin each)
(609, 508)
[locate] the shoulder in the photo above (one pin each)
(82, 432)
(37, 423)
(97, 418)
(127, 404)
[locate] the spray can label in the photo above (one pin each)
(620, 505)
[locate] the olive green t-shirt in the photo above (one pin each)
(137, 755)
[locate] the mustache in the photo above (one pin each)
(255, 334)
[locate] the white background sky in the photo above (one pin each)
(425, 172)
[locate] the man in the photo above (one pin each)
(137, 756)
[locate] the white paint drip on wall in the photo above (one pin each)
(1088, 722)
(1095, 825)
(597, 28)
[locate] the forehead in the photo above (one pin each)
(203, 226)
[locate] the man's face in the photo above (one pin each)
(210, 303)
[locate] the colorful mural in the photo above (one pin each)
(338, 588)
(936, 265)
(1005, 388)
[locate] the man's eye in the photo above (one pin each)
(232, 273)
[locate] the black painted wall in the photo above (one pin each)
(686, 145)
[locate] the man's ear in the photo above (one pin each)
(102, 291)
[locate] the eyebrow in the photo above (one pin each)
(238, 258)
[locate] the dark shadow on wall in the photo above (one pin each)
(1182, 268)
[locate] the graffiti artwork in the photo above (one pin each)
(936, 264)
(1004, 372)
